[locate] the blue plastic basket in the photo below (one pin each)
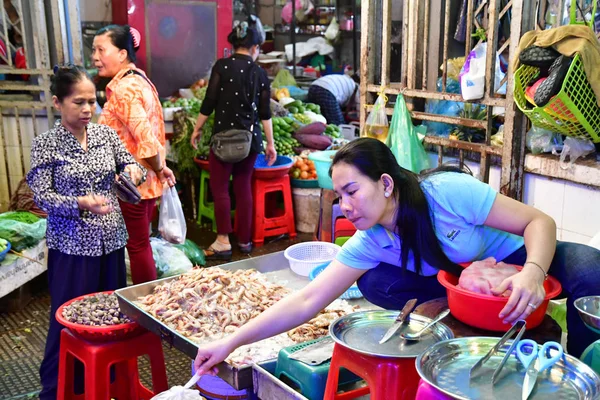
(352, 293)
(5, 252)
(280, 167)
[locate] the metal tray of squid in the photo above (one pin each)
(239, 378)
(446, 366)
(276, 268)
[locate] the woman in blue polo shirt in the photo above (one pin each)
(411, 226)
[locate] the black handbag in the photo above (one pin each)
(233, 145)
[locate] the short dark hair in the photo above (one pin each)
(65, 76)
(120, 36)
(416, 230)
(244, 37)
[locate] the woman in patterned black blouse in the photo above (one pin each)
(73, 167)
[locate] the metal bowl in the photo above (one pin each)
(445, 366)
(589, 311)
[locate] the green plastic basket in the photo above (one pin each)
(572, 112)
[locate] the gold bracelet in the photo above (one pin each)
(539, 266)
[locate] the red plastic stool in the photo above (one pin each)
(99, 357)
(283, 221)
(387, 378)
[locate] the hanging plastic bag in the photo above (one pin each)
(575, 148)
(171, 222)
(472, 75)
(181, 392)
(404, 141)
(332, 30)
(540, 140)
(169, 260)
(377, 125)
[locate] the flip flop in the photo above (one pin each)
(538, 56)
(552, 85)
(211, 254)
(245, 248)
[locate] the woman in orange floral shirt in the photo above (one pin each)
(133, 109)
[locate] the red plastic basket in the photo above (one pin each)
(203, 164)
(98, 333)
(481, 310)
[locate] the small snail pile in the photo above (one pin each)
(96, 310)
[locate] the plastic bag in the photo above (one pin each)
(377, 125)
(284, 79)
(181, 392)
(575, 148)
(169, 260)
(540, 140)
(192, 252)
(332, 30)
(171, 222)
(472, 75)
(22, 233)
(404, 141)
(443, 107)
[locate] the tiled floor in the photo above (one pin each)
(22, 333)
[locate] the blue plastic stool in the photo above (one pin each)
(310, 380)
(591, 356)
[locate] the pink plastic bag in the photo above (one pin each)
(286, 12)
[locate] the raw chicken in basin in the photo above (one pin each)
(483, 276)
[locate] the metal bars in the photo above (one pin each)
(418, 18)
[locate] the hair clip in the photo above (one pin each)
(135, 34)
(55, 69)
(242, 30)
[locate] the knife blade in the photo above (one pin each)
(530, 380)
(407, 309)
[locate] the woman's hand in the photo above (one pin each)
(527, 294)
(211, 354)
(196, 135)
(99, 205)
(135, 173)
(167, 175)
(270, 154)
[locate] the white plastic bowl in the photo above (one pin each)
(303, 257)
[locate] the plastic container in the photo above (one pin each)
(214, 388)
(280, 168)
(5, 252)
(481, 311)
(349, 131)
(352, 293)
(98, 333)
(304, 183)
(304, 257)
(322, 160)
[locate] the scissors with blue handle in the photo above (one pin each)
(536, 361)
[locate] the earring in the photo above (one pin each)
(386, 194)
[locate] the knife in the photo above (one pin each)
(408, 307)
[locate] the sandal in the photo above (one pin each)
(536, 56)
(245, 248)
(211, 254)
(552, 85)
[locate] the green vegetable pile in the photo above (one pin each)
(20, 216)
(22, 229)
(3, 244)
(333, 131)
(182, 147)
(282, 135)
(192, 105)
(297, 107)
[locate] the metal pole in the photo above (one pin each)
(294, 38)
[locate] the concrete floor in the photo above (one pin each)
(23, 332)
